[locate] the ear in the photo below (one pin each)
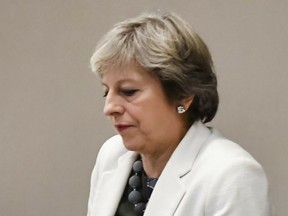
(186, 102)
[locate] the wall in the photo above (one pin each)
(51, 123)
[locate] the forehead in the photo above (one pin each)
(130, 72)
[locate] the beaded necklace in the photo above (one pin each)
(142, 188)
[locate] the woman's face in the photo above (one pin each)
(140, 112)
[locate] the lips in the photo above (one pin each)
(122, 127)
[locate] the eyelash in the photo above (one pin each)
(129, 92)
(105, 94)
(126, 92)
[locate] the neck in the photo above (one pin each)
(154, 162)
(154, 166)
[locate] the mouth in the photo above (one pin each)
(121, 128)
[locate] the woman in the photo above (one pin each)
(160, 89)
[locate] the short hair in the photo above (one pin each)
(168, 48)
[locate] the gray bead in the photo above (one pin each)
(135, 181)
(134, 197)
(137, 166)
(139, 208)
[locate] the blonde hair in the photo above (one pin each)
(167, 47)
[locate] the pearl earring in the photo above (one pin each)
(181, 109)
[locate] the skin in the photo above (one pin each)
(147, 122)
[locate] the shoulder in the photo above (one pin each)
(232, 177)
(220, 151)
(112, 147)
(219, 155)
(110, 152)
(221, 162)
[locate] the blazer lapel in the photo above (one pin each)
(112, 186)
(170, 187)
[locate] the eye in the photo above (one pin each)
(105, 94)
(129, 92)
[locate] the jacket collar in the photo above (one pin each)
(112, 185)
(180, 163)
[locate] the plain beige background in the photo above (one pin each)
(51, 123)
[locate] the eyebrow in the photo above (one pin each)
(120, 81)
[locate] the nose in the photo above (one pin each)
(113, 105)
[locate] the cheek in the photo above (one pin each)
(156, 117)
(151, 111)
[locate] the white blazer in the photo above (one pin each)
(207, 175)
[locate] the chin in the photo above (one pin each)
(132, 145)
